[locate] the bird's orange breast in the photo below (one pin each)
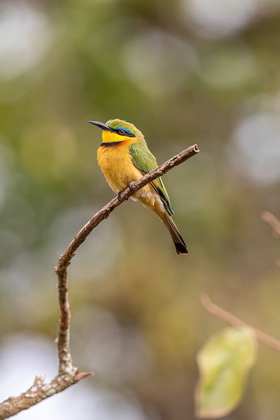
(115, 162)
(116, 165)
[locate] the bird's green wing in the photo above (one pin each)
(145, 161)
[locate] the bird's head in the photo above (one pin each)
(118, 130)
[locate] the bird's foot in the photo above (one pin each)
(130, 186)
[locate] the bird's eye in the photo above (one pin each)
(122, 132)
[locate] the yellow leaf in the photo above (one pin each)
(224, 363)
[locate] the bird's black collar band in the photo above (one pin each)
(110, 143)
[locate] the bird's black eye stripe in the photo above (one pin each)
(124, 133)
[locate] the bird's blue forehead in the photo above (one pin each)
(123, 128)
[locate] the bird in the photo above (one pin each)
(124, 157)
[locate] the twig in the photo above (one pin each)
(237, 323)
(38, 392)
(272, 221)
(69, 374)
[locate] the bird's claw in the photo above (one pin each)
(130, 186)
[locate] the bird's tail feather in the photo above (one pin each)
(181, 247)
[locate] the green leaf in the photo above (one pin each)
(224, 363)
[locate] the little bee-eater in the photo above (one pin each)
(124, 157)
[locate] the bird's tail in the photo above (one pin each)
(181, 247)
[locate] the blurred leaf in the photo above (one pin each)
(224, 363)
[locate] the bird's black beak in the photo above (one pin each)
(101, 125)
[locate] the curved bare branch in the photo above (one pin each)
(69, 374)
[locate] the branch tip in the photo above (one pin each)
(272, 221)
(83, 375)
(205, 301)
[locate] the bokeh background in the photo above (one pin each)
(184, 72)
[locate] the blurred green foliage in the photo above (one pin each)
(183, 72)
(224, 363)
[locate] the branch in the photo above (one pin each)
(272, 221)
(237, 323)
(68, 374)
(38, 392)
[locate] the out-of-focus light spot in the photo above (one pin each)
(229, 68)
(258, 141)
(217, 18)
(158, 63)
(25, 35)
(22, 357)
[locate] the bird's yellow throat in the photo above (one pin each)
(110, 137)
